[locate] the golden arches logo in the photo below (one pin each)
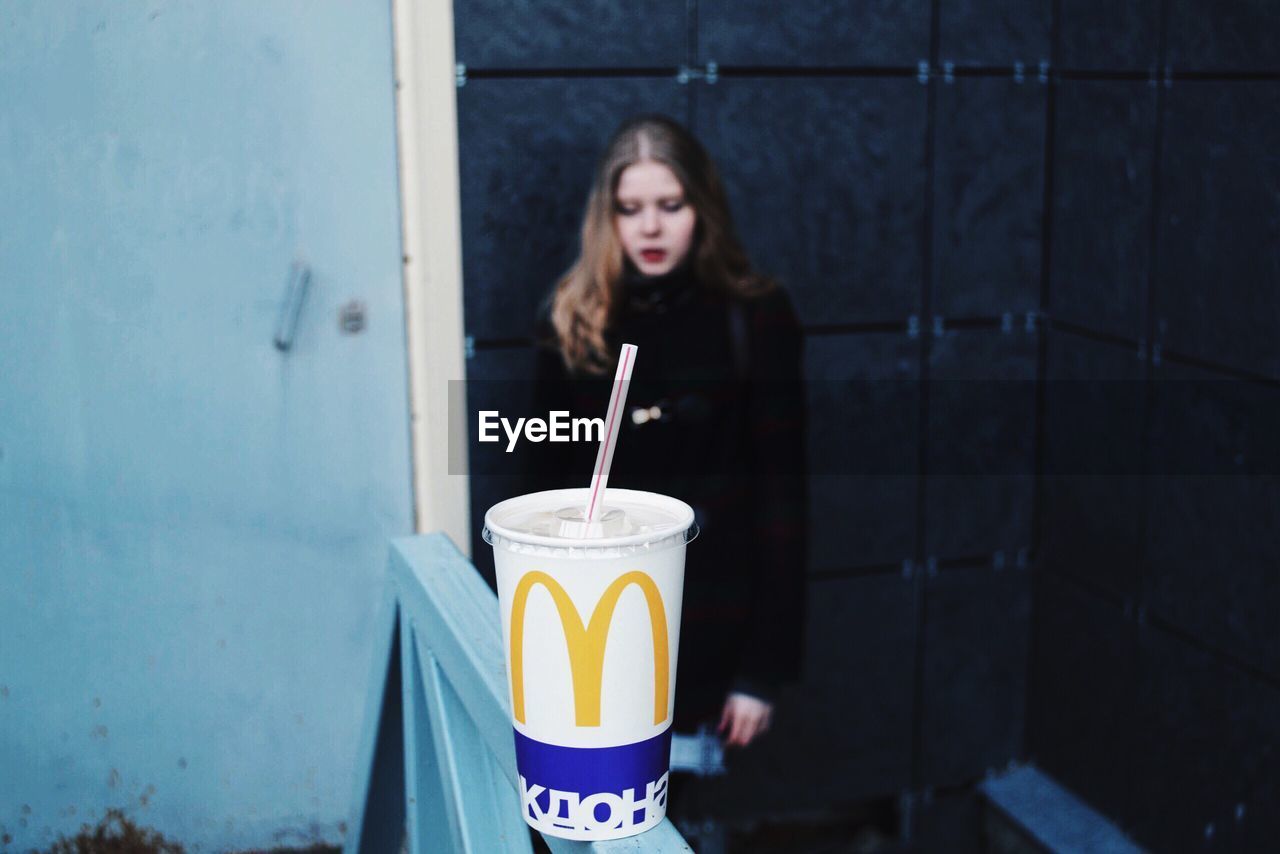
(586, 643)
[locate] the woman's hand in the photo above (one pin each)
(744, 718)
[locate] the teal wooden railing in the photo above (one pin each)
(437, 758)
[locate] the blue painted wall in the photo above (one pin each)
(193, 525)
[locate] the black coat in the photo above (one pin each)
(728, 438)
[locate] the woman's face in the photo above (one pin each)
(654, 221)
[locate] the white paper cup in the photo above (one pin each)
(590, 629)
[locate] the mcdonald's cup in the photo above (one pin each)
(591, 625)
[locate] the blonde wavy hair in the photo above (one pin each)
(586, 298)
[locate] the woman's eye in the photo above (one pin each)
(632, 210)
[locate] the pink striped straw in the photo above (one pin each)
(609, 441)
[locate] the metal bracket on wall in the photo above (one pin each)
(1134, 610)
(469, 347)
(1030, 322)
(352, 317)
(948, 72)
(938, 326)
(913, 327)
(1020, 72)
(922, 71)
(460, 75)
(295, 294)
(906, 815)
(710, 73)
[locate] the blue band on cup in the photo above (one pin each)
(586, 789)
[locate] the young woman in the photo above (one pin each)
(715, 410)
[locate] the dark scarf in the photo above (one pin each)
(658, 294)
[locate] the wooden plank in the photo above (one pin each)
(456, 615)
(660, 840)
(431, 235)
(484, 803)
(433, 825)
(376, 823)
